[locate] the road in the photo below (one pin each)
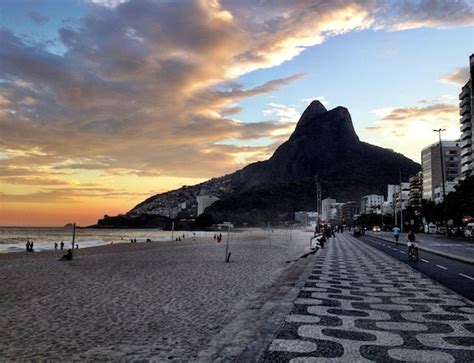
(456, 275)
(460, 248)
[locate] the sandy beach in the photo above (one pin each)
(158, 301)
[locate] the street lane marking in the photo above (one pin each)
(444, 268)
(469, 277)
(424, 260)
(401, 252)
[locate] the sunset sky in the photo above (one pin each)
(104, 103)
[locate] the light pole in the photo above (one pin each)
(439, 131)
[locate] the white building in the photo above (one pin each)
(204, 201)
(402, 198)
(306, 219)
(371, 203)
(391, 190)
(466, 110)
(326, 206)
(433, 174)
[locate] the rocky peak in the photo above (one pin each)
(326, 127)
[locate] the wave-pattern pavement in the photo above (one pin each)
(361, 305)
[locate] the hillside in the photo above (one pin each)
(324, 143)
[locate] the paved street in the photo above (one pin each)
(457, 275)
(359, 304)
(461, 248)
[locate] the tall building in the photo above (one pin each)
(466, 110)
(326, 206)
(401, 196)
(350, 210)
(416, 185)
(391, 189)
(370, 203)
(431, 165)
(204, 201)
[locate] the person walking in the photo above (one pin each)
(396, 233)
(62, 245)
(55, 245)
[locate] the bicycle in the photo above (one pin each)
(412, 251)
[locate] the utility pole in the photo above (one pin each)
(439, 131)
(318, 199)
(400, 195)
(73, 237)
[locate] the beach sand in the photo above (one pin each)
(158, 301)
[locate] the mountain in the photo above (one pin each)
(324, 143)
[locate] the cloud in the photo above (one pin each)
(38, 18)
(409, 121)
(321, 99)
(149, 87)
(409, 14)
(283, 113)
(458, 77)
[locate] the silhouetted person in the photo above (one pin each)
(77, 246)
(67, 256)
(31, 246)
(55, 245)
(27, 246)
(62, 245)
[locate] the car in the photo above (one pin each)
(375, 229)
(441, 230)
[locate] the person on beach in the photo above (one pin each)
(55, 245)
(77, 246)
(27, 246)
(67, 256)
(31, 246)
(62, 245)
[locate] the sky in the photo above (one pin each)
(104, 103)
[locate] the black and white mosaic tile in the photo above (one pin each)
(360, 305)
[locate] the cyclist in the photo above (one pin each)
(412, 246)
(396, 233)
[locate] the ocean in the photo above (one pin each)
(13, 239)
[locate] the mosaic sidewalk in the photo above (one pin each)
(360, 305)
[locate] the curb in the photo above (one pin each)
(435, 252)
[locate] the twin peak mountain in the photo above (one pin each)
(323, 143)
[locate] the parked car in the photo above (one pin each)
(375, 229)
(469, 231)
(430, 228)
(441, 231)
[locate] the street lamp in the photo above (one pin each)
(439, 131)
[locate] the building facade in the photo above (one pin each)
(350, 211)
(431, 166)
(204, 201)
(371, 203)
(416, 190)
(326, 206)
(466, 109)
(402, 196)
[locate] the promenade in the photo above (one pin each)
(360, 305)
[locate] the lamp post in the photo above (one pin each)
(439, 131)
